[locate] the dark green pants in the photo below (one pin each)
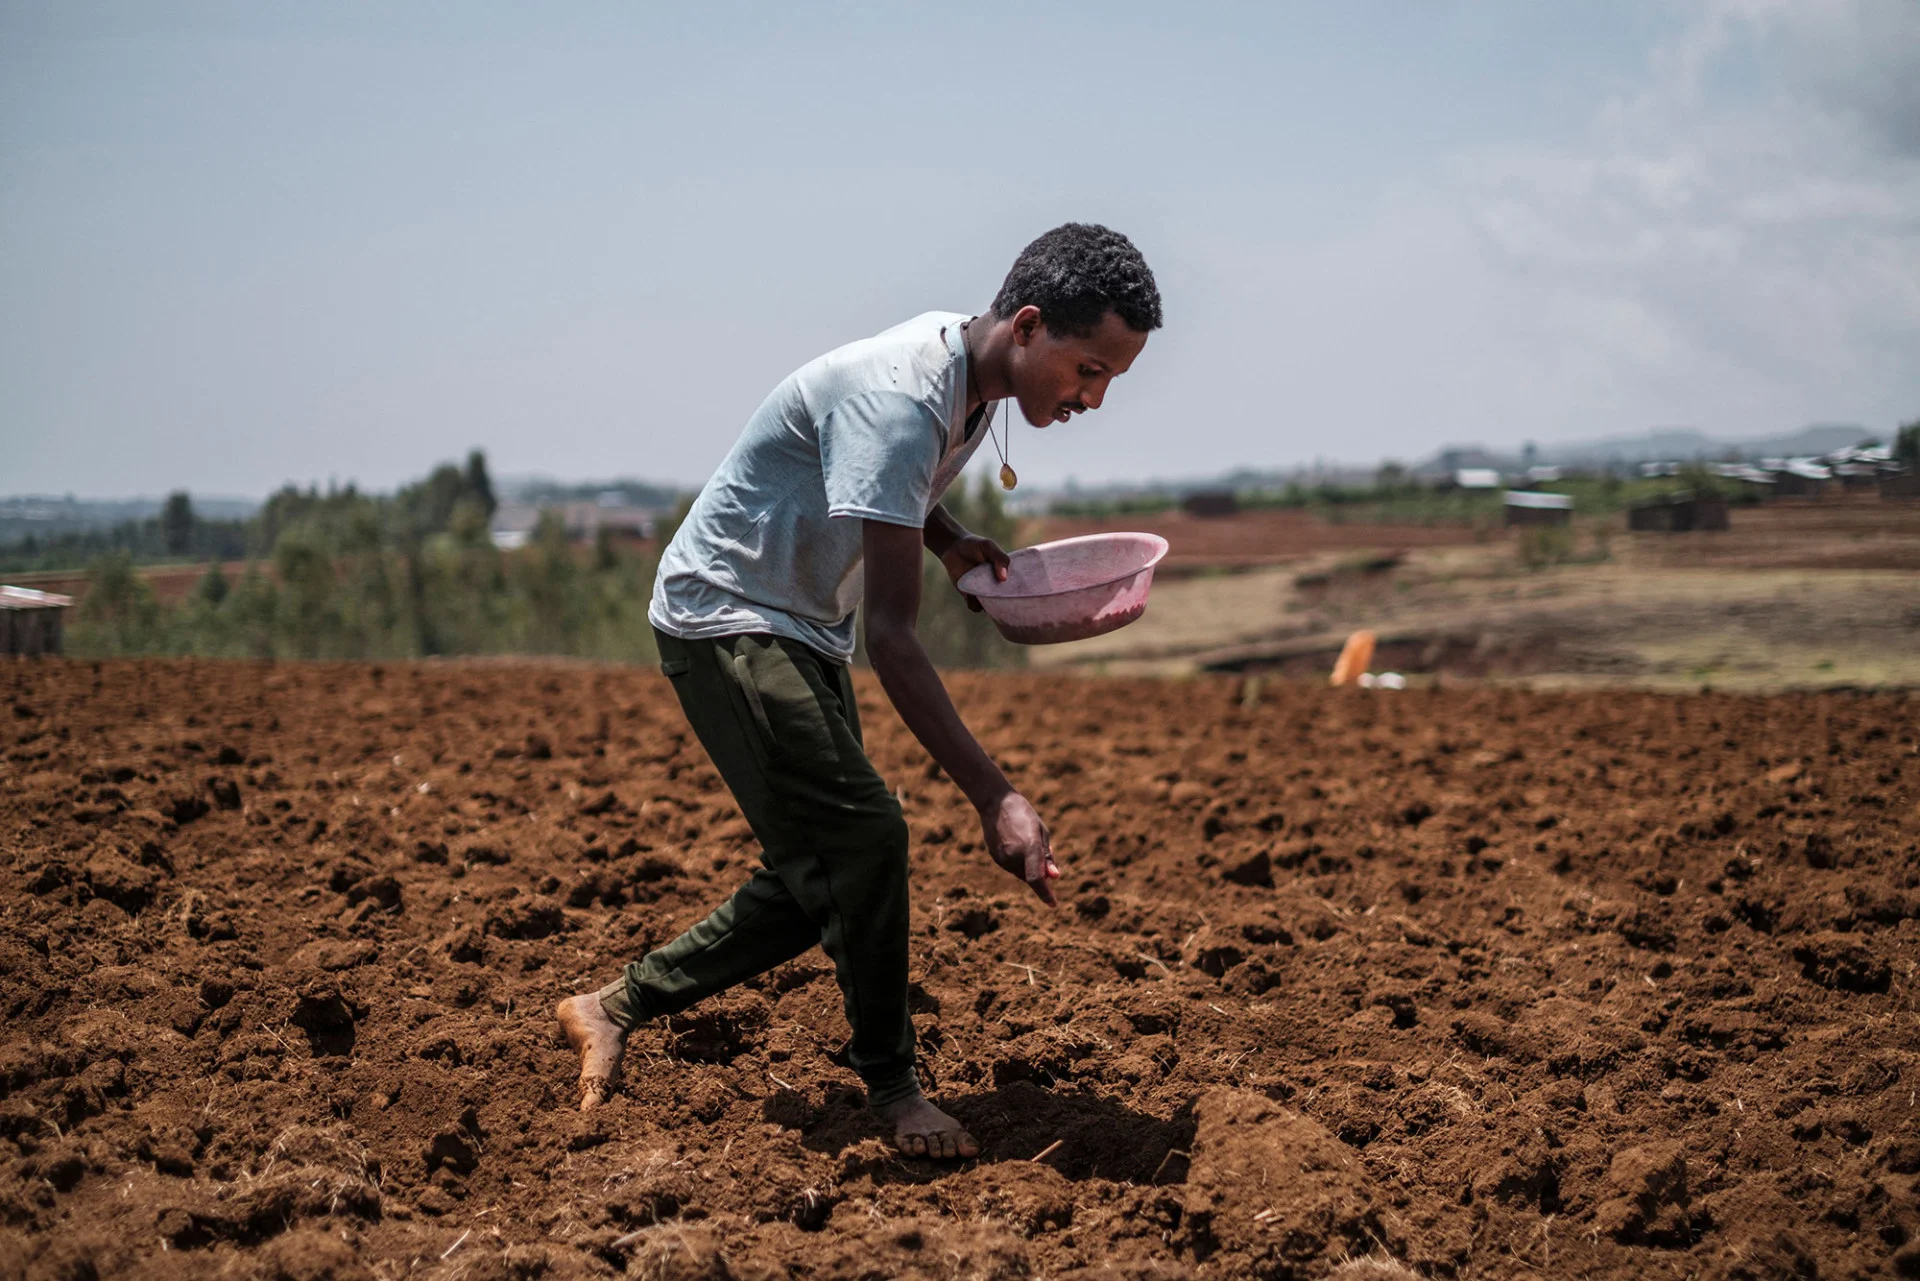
(779, 721)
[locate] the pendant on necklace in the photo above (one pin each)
(1007, 479)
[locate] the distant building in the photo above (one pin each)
(1443, 468)
(1744, 473)
(31, 622)
(514, 526)
(1525, 507)
(1452, 460)
(1801, 478)
(1476, 478)
(1874, 456)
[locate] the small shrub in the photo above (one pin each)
(1541, 546)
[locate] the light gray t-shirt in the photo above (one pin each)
(874, 430)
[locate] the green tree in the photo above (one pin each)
(119, 614)
(428, 506)
(1701, 480)
(367, 599)
(351, 575)
(212, 587)
(466, 599)
(177, 523)
(251, 614)
(308, 614)
(1906, 444)
(479, 484)
(551, 590)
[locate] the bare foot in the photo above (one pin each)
(921, 1129)
(600, 1042)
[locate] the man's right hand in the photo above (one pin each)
(1017, 840)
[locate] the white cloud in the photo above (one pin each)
(1736, 246)
(1733, 243)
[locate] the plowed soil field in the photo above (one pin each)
(1479, 982)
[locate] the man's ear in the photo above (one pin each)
(1026, 323)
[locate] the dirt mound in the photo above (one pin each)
(1320, 1204)
(1472, 983)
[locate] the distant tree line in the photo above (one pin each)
(348, 575)
(1395, 496)
(175, 533)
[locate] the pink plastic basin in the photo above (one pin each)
(1070, 589)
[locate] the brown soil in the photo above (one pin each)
(1484, 983)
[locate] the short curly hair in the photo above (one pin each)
(1075, 274)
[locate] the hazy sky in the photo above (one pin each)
(248, 242)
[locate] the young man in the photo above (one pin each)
(842, 469)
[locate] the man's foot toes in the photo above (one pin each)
(940, 1145)
(594, 1090)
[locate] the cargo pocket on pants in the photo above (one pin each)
(744, 674)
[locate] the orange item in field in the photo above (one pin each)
(1355, 657)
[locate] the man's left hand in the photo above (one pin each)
(969, 550)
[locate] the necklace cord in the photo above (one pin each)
(1007, 479)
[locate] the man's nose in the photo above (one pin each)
(1091, 396)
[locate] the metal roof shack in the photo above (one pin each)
(1745, 473)
(1801, 478)
(514, 526)
(31, 622)
(1531, 507)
